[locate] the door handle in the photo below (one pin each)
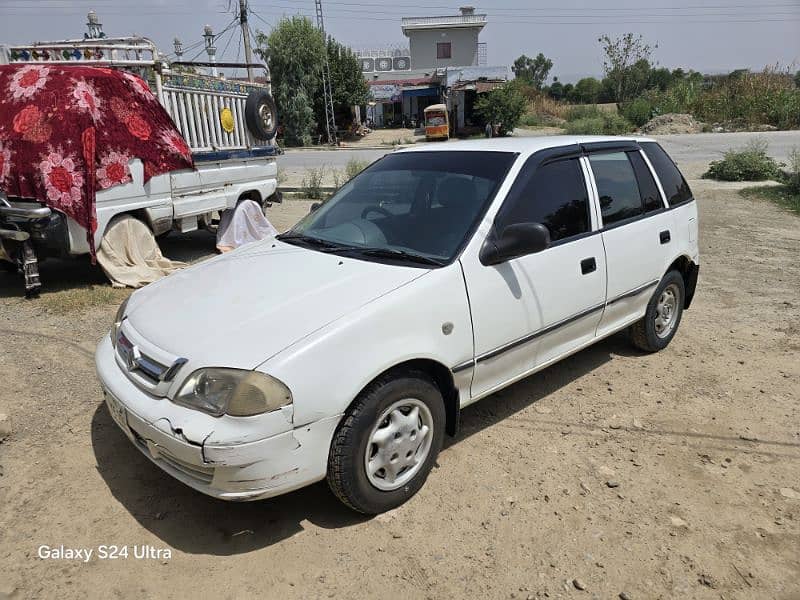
(588, 265)
(665, 237)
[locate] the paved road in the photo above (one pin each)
(683, 148)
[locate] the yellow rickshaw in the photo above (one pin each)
(437, 124)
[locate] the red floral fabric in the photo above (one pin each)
(68, 131)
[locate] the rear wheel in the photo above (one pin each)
(664, 311)
(387, 443)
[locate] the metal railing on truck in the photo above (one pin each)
(208, 111)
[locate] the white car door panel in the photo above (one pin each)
(637, 230)
(530, 309)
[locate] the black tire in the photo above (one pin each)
(644, 333)
(261, 115)
(347, 473)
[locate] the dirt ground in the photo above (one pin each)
(674, 475)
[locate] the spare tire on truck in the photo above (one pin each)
(261, 115)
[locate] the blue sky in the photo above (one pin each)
(708, 35)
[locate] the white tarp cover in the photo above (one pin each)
(243, 225)
(130, 256)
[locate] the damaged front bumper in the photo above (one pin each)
(238, 471)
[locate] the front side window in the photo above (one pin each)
(616, 186)
(554, 195)
(412, 206)
(444, 50)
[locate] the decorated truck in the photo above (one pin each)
(98, 128)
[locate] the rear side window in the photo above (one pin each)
(651, 197)
(675, 187)
(554, 195)
(616, 186)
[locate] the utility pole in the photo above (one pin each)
(248, 50)
(330, 117)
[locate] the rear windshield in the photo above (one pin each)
(675, 186)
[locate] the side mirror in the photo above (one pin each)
(314, 207)
(519, 239)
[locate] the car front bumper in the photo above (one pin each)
(236, 471)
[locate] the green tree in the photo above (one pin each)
(533, 71)
(626, 57)
(347, 82)
(587, 91)
(797, 79)
(660, 79)
(556, 89)
(294, 50)
(504, 105)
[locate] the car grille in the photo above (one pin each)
(147, 367)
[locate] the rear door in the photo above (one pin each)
(532, 309)
(637, 232)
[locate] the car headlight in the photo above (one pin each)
(118, 321)
(234, 392)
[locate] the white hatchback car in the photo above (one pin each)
(346, 347)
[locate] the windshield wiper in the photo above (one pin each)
(323, 245)
(399, 254)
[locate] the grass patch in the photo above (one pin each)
(779, 194)
(80, 299)
(750, 163)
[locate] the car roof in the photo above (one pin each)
(520, 145)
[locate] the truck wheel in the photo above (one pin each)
(261, 115)
(655, 331)
(387, 443)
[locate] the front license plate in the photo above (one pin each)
(117, 411)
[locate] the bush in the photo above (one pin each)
(587, 111)
(354, 167)
(639, 111)
(586, 126)
(603, 124)
(531, 120)
(766, 98)
(750, 163)
(504, 105)
(792, 177)
(312, 183)
(614, 124)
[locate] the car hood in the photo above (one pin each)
(240, 309)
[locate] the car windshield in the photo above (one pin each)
(413, 207)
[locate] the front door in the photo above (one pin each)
(533, 309)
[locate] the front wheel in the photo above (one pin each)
(664, 311)
(387, 443)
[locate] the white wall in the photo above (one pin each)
(463, 46)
